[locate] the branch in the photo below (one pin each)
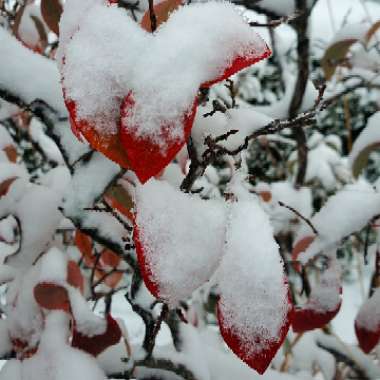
(167, 365)
(303, 50)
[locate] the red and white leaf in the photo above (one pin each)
(175, 250)
(154, 99)
(96, 344)
(254, 308)
(367, 323)
(323, 304)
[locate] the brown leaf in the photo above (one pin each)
(74, 276)
(11, 152)
(119, 198)
(372, 30)
(51, 296)
(84, 244)
(361, 159)
(334, 55)
(109, 258)
(162, 12)
(266, 196)
(51, 11)
(5, 185)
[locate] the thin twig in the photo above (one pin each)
(306, 220)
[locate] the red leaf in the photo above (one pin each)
(139, 153)
(74, 276)
(309, 319)
(109, 145)
(367, 323)
(298, 248)
(261, 360)
(145, 158)
(368, 340)
(95, 345)
(145, 269)
(323, 304)
(51, 296)
(237, 65)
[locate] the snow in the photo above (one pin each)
(5, 137)
(73, 148)
(144, 65)
(334, 221)
(53, 267)
(86, 321)
(281, 217)
(47, 145)
(281, 8)
(364, 362)
(324, 25)
(54, 353)
(280, 109)
(5, 342)
(27, 30)
(325, 296)
(32, 76)
(253, 295)
(244, 120)
(9, 170)
(351, 32)
(306, 355)
(180, 251)
(369, 136)
(36, 207)
(87, 183)
(7, 110)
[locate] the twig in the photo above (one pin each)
(277, 22)
(306, 220)
(152, 15)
